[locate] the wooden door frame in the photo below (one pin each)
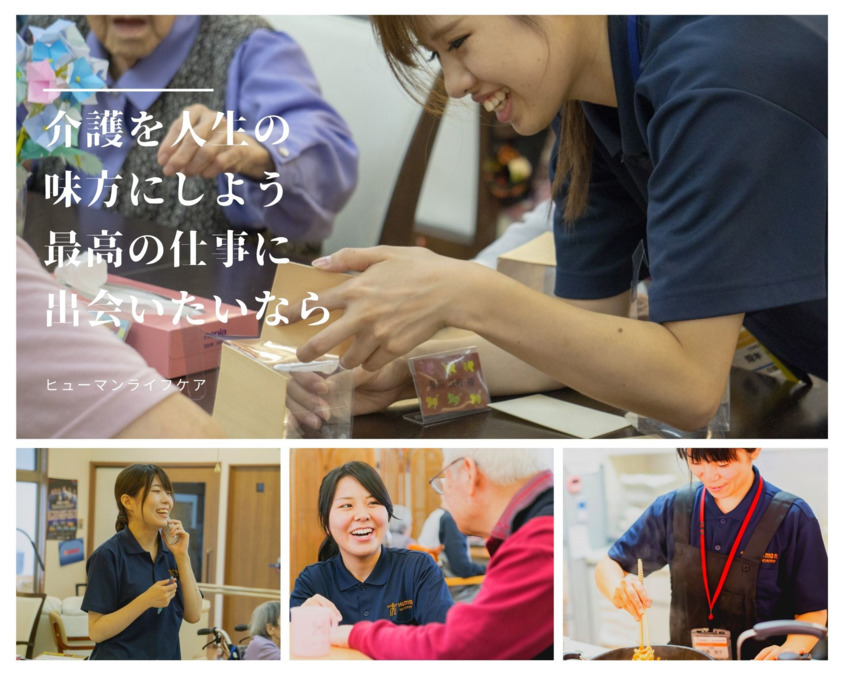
(230, 517)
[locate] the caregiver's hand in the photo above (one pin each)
(321, 601)
(401, 298)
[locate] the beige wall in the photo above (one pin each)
(75, 463)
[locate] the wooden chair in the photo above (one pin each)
(27, 614)
(465, 581)
(433, 552)
(63, 642)
(400, 227)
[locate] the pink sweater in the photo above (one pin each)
(511, 618)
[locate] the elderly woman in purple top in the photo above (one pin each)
(266, 633)
(239, 71)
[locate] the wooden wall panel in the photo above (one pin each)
(307, 467)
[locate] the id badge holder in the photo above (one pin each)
(713, 641)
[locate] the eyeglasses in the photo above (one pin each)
(437, 481)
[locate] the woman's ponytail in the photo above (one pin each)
(327, 549)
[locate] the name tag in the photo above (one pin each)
(715, 642)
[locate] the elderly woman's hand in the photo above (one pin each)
(245, 156)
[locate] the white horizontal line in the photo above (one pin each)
(116, 90)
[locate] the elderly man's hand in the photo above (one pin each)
(245, 156)
(340, 636)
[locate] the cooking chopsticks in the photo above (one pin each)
(643, 624)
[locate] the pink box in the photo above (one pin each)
(183, 348)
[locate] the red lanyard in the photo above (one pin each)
(712, 600)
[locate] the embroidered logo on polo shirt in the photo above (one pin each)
(770, 558)
(403, 606)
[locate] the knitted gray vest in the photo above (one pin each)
(206, 66)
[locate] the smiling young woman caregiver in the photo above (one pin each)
(357, 576)
(703, 137)
(740, 551)
(139, 586)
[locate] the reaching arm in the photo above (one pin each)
(174, 417)
(675, 372)
(798, 644)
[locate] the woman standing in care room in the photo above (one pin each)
(703, 137)
(357, 576)
(740, 551)
(140, 582)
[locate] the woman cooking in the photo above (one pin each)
(739, 550)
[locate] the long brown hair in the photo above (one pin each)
(398, 37)
(132, 481)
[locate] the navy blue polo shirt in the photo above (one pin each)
(118, 572)
(406, 587)
(716, 158)
(793, 573)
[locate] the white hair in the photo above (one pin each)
(504, 465)
(267, 613)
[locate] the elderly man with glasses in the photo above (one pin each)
(505, 495)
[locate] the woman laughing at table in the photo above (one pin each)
(358, 577)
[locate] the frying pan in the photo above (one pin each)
(661, 652)
(760, 631)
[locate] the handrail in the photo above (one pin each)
(245, 591)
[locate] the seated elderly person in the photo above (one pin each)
(455, 559)
(507, 496)
(266, 633)
(66, 354)
(401, 525)
(250, 71)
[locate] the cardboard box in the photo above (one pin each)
(176, 350)
(533, 264)
(251, 399)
